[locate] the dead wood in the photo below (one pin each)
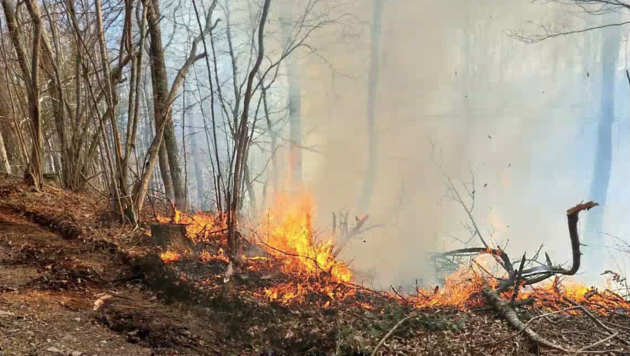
(537, 274)
(503, 308)
(356, 230)
(172, 237)
(596, 321)
(610, 337)
(517, 283)
(507, 265)
(390, 332)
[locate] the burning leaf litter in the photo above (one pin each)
(311, 274)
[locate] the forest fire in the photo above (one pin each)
(199, 226)
(554, 295)
(286, 232)
(313, 275)
(169, 256)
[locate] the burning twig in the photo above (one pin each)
(537, 274)
(517, 283)
(390, 332)
(398, 294)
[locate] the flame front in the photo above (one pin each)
(310, 272)
(287, 233)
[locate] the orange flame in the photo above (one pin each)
(170, 256)
(288, 233)
(199, 226)
(206, 257)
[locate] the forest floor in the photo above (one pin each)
(73, 284)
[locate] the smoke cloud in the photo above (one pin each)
(456, 89)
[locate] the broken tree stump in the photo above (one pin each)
(171, 237)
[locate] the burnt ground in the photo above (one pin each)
(59, 255)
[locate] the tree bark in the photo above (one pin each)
(5, 165)
(141, 188)
(197, 153)
(161, 106)
(242, 140)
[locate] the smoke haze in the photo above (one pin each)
(453, 85)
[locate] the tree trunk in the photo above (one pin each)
(51, 63)
(34, 172)
(197, 154)
(603, 153)
(141, 187)
(165, 172)
(242, 142)
(5, 165)
(295, 113)
(375, 53)
(161, 106)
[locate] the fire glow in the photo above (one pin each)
(286, 234)
(169, 256)
(200, 227)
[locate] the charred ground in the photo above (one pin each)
(59, 255)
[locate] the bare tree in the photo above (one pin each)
(165, 98)
(33, 173)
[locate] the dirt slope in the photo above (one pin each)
(48, 287)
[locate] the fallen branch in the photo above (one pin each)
(538, 274)
(595, 320)
(503, 308)
(610, 337)
(526, 325)
(390, 332)
(507, 265)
